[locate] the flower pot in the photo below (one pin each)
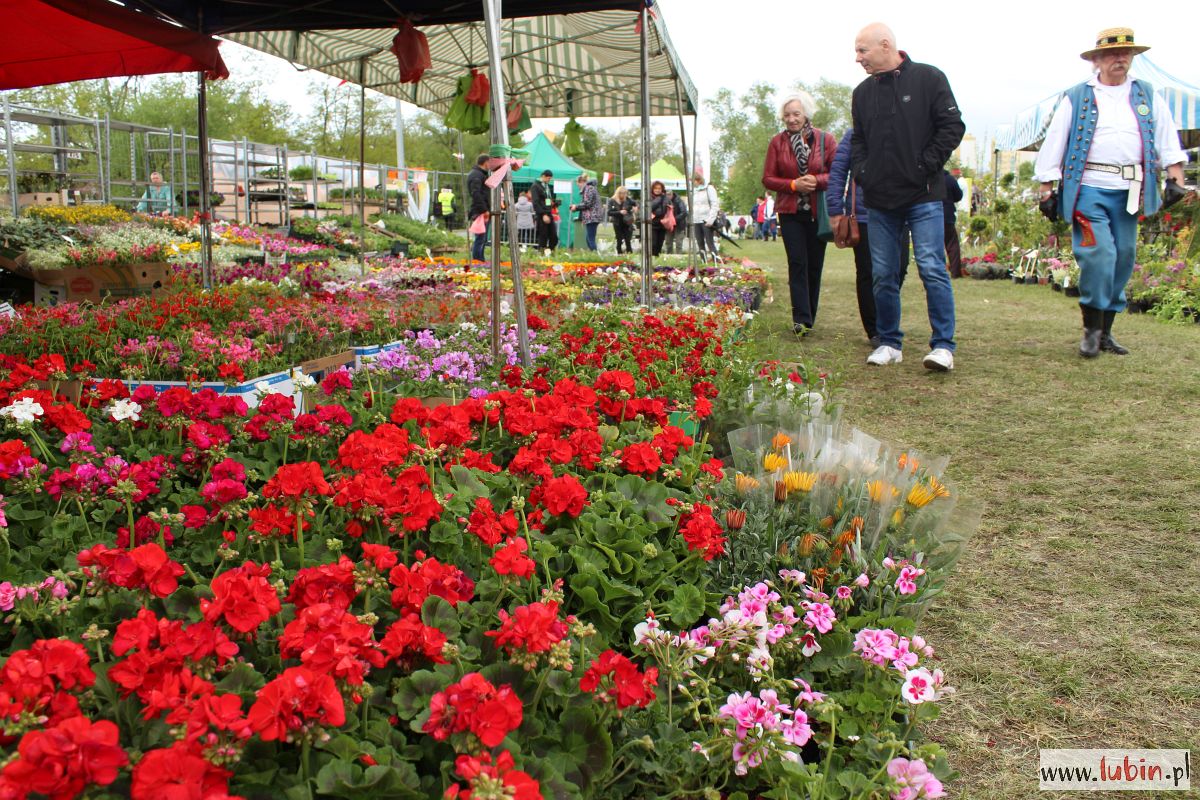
(1071, 291)
(685, 420)
(1056, 287)
(1017, 279)
(278, 383)
(1031, 280)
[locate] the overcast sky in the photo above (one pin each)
(1000, 57)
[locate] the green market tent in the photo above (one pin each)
(545, 155)
(659, 171)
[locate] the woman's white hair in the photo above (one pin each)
(807, 104)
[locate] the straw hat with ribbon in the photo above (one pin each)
(1114, 39)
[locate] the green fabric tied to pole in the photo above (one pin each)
(504, 151)
(572, 146)
(464, 116)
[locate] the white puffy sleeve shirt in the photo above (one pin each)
(1117, 140)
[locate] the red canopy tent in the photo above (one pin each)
(54, 41)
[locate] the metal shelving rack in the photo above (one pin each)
(61, 149)
(114, 177)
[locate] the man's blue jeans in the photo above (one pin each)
(477, 247)
(929, 246)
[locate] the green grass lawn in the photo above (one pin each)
(1073, 619)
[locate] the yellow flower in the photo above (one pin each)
(744, 483)
(780, 441)
(898, 516)
(919, 496)
(79, 215)
(876, 490)
(939, 488)
(773, 462)
(800, 481)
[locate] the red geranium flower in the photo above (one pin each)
(177, 773)
(296, 698)
(474, 705)
(517, 785)
(628, 686)
(564, 495)
(242, 597)
(511, 559)
(62, 761)
(294, 481)
(640, 458)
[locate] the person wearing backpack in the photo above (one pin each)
(797, 170)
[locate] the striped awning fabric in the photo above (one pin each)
(585, 64)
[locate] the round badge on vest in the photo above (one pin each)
(1143, 109)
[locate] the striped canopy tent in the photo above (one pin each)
(1028, 128)
(581, 60)
(583, 65)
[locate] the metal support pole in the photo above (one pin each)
(491, 10)
(11, 158)
(647, 297)
(362, 142)
(400, 136)
(206, 276)
(687, 181)
(183, 157)
(695, 170)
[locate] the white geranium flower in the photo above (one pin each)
(121, 410)
(24, 410)
(303, 381)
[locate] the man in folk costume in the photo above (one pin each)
(1108, 140)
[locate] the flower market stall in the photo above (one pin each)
(303, 535)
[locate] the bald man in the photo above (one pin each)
(906, 125)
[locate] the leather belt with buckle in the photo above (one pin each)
(1127, 171)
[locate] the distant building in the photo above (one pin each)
(1007, 161)
(967, 153)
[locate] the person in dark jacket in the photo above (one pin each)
(591, 210)
(621, 210)
(659, 203)
(954, 193)
(542, 197)
(478, 193)
(906, 124)
(796, 168)
(841, 203)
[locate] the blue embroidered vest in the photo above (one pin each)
(1079, 143)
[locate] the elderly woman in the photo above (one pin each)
(157, 197)
(796, 169)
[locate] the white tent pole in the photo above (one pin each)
(687, 182)
(206, 276)
(645, 187)
(491, 10)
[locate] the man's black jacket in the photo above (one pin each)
(542, 197)
(478, 192)
(906, 125)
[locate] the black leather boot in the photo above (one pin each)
(1107, 343)
(1093, 329)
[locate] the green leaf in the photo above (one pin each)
(437, 612)
(466, 483)
(242, 679)
(349, 780)
(686, 605)
(586, 748)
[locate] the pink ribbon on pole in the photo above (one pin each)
(499, 167)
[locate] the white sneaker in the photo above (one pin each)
(884, 355)
(939, 360)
